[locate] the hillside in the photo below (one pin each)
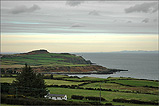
(43, 61)
(44, 58)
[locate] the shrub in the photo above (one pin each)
(77, 97)
(134, 101)
(108, 104)
(95, 98)
(37, 101)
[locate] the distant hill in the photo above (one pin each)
(45, 62)
(44, 58)
(139, 51)
(37, 52)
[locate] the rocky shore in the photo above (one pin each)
(90, 69)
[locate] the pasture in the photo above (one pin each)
(137, 83)
(47, 81)
(60, 82)
(109, 96)
(6, 80)
(105, 84)
(119, 87)
(86, 79)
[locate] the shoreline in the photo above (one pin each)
(109, 71)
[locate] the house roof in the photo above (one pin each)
(55, 95)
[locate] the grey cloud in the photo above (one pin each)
(23, 9)
(144, 7)
(77, 25)
(73, 3)
(155, 20)
(146, 20)
(129, 21)
(94, 12)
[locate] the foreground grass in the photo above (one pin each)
(105, 94)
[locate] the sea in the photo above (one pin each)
(139, 65)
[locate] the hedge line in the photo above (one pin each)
(134, 101)
(87, 97)
(37, 101)
(134, 86)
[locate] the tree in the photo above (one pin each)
(51, 76)
(29, 83)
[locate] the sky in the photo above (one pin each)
(79, 26)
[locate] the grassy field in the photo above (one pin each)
(60, 82)
(108, 95)
(105, 94)
(119, 87)
(6, 80)
(137, 82)
(86, 79)
(48, 81)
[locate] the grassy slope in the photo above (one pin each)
(48, 81)
(49, 59)
(137, 83)
(105, 94)
(121, 87)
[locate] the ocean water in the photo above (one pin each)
(139, 65)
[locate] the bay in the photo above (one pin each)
(139, 65)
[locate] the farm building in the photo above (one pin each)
(56, 96)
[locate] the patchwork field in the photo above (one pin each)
(137, 83)
(119, 87)
(47, 81)
(86, 79)
(61, 82)
(105, 94)
(89, 86)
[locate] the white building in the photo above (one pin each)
(56, 96)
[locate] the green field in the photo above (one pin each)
(137, 82)
(60, 82)
(86, 79)
(105, 94)
(105, 84)
(47, 81)
(6, 80)
(119, 87)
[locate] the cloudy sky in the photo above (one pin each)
(79, 26)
